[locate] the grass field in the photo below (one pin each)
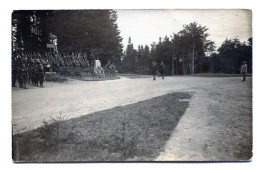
(133, 132)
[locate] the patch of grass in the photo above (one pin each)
(219, 75)
(96, 78)
(136, 132)
(135, 76)
(52, 76)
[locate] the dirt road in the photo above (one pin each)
(215, 126)
(76, 98)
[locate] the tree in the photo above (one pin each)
(76, 30)
(130, 57)
(231, 54)
(196, 36)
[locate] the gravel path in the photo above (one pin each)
(216, 126)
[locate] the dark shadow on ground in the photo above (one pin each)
(136, 132)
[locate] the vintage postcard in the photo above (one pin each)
(131, 85)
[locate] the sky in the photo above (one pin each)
(146, 26)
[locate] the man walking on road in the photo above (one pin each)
(244, 70)
(154, 70)
(162, 69)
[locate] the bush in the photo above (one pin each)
(72, 71)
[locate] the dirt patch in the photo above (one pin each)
(232, 111)
(134, 132)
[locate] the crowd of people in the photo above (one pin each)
(28, 71)
(30, 67)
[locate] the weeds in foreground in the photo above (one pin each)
(51, 129)
(134, 132)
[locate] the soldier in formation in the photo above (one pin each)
(30, 67)
(27, 71)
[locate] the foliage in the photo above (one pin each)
(187, 52)
(176, 52)
(76, 30)
(230, 56)
(130, 58)
(51, 129)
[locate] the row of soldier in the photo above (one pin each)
(29, 71)
(59, 59)
(30, 67)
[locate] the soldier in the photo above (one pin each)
(40, 74)
(14, 71)
(34, 76)
(48, 66)
(24, 76)
(36, 72)
(243, 70)
(29, 69)
(20, 77)
(162, 69)
(154, 70)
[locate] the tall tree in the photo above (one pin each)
(76, 30)
(231, 54)
(130, 57)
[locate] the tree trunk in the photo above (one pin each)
(183, 66)
(172, 65)
(176, 66)
(192, 64)
(201, 66)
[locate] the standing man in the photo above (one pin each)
(14, 71)
(40, 73)
(24, 76)
(154, 70)
(243, 70)
(162, 69)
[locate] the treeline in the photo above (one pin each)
(83, 31)
(188, 52)
(230, 55)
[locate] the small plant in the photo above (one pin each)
(51, 129)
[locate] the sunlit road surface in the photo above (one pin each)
(76, 98)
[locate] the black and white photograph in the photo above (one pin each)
(131, 85)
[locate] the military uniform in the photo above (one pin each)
(24, 77)
(35, 76)
(162, 69)
(20, 77)
(154, 70)
(244, 70)
(40, 74)
(14, 72)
